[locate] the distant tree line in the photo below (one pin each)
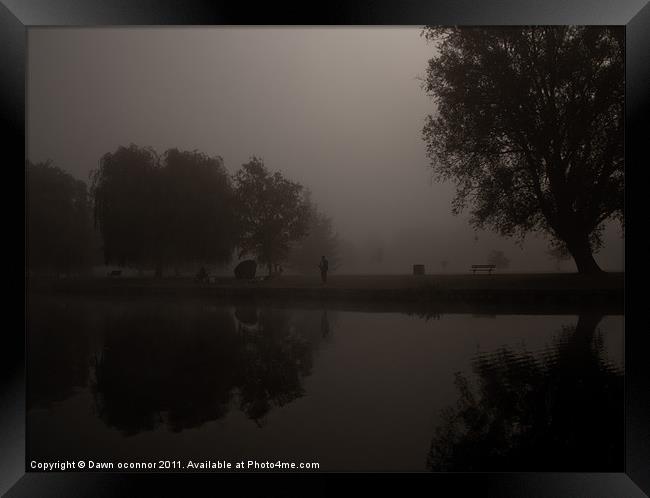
(153, 211)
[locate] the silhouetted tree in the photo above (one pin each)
(499, 259)
(200, 208)
(530, 127)
(272, 213)
(155, 213)
(128, 197)
(58, 219)
(560, 412)
(321, 240)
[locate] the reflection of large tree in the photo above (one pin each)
(183, 367)
(559, 412)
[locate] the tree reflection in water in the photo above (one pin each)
(274, 360)
(165, 364)
(180, 367)
(560, 412)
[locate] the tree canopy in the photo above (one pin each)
(529, 126)
(127, 192)
(272, 213)
(178, 208)
(154, 212)
(59, 226)
(200, 225)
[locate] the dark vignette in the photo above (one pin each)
(121, 12)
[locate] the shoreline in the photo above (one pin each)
(519, 293)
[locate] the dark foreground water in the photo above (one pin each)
(147, 380)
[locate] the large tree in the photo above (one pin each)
(127, 192)
(58, 221)
(529, 125)
(273, 212)
(154, 212)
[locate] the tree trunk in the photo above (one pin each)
(580, 249)
(586, 328)
(159, 270)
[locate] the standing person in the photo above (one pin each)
(324, 265)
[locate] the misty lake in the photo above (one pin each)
(149, 379)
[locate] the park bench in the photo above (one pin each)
(487, 268)
(115, 273)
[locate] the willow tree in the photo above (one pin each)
(199, 208)
(529, 126)
(159, 212)
(127, 193)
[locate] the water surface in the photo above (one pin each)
(151, 379)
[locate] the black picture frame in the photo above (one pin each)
(17, 16)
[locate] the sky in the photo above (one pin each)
(339, 110)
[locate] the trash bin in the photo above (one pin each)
(418, 269)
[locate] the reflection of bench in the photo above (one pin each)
(487, 268)
(115, 273)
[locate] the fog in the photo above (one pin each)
(338, 109)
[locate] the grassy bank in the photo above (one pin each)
(463, 293)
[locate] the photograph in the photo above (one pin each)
(365, 243)
(333, 249)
